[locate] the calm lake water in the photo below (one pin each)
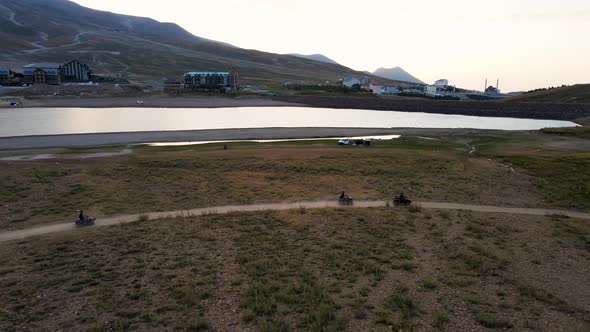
(52, 121)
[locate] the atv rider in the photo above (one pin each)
(342, 196)
(81, 216)
(402, 197)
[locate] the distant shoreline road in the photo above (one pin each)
(545, 111)
(112, 139)
(148, 102)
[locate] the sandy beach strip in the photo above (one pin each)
(106, 139)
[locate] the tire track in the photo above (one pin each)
(63, 227)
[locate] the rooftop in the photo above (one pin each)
(205, 73)
(43, 65)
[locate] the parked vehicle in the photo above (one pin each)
(344, 141)
(354, 142)
(139, 102)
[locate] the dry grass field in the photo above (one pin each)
(317, 270)
(379, 269)
(161, 179)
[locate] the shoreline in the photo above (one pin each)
(148, 102)
(140, 137)
(519, 110)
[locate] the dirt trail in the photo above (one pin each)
(21, 234)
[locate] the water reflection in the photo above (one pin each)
(380, 137)
(53, 121)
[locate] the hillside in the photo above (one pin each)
(316, 57)
(145, 49)
(578, 94)
(397, 74)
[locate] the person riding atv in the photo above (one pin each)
(84, 220)
(401, 200)
(343, 199)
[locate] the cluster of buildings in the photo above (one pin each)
(47, 73)
(77, 72)
(365, 83)
(438, 89)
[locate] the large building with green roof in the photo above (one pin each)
(208, 80)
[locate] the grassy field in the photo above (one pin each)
(494, 169)
(582, 131)
(579, 93)
(384, 269)
(165, 179)
(307, 270)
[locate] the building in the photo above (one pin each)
(376, 88)
(74, 71)
(350, 81)
(442, 83)
(234, 80)
(56, 74)
(207, 80)
(172, 85)
(383, 89)
(5, 76)
(431, 90)
(390, 90)
(365, 86)
(434, 91)
(42, 73)
(492, 90)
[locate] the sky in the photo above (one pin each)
(527, 44)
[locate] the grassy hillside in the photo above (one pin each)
(579, 93)
(143, 48)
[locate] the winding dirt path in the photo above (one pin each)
(62, 227)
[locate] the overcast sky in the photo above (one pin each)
(525, 43)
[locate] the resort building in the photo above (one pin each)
(208, 80)
(56, 74)
(74, 71)
(42, 73)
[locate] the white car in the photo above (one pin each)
(139, 102)
(344, 141)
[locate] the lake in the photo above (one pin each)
(54, 121)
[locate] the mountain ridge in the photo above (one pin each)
(143, 48)
(316, 57)
(397, 74)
